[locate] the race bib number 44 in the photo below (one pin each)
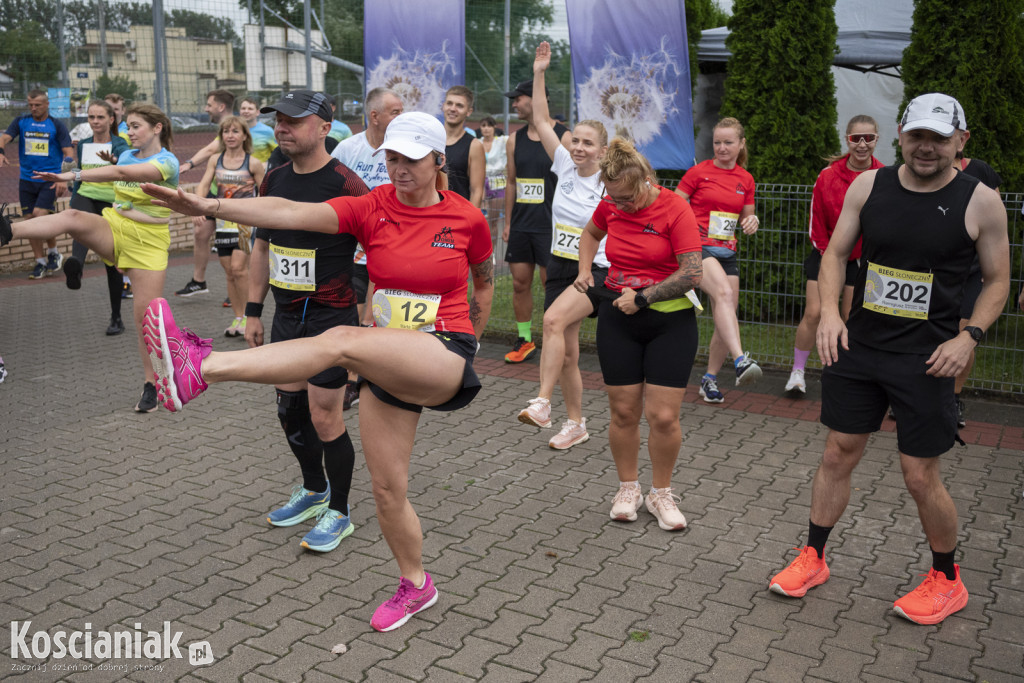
(903, 293)
(293, 269)
(37, 148)
(566, 241)
(530, 190)
(722, 225)
(399, 309)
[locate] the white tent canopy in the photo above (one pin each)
(872, 35)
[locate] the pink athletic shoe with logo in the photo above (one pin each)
(408, 601)
(177, 355)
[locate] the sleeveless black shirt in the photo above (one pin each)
(457, 160)
(915, 261)
(532, 162)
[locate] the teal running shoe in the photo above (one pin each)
(301, 506)
(331, 527)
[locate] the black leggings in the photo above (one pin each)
(647, 347)
(115, 283)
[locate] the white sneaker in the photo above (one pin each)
(627, 502)
(662, 505)
(572, 433)
(538, 413)
(796, 382)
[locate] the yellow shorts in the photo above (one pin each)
(138, 245)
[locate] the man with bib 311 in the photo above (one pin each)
(921, 224)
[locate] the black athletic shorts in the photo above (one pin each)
(360, 281)
(648, 346)
(562, 273)
(36, 195)
(459, 343)
(971, 291)
(812, 264)
(729, 263)
(856, 390)
(310, 321)
(528, 247)
(226, 242)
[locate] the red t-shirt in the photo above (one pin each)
(827, 202)
(711, 188)
(642, 246)
(424, 250)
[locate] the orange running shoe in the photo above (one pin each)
(521, 351)
(805, 572)
(935, 599)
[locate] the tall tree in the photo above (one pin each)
(28, 56)
(974, 51)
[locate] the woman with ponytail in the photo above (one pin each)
(646, 327)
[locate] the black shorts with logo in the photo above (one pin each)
(857, 389)
(309, 321)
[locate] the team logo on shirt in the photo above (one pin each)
(567, 188)
(444, 239)
(649, 229)
(739, 189)
(388, 220)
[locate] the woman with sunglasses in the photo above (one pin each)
(721, 193)
(646, 327)
(826, 204)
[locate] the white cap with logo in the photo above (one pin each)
(415, 135)
(935, 112)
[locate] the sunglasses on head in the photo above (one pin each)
(862, 137)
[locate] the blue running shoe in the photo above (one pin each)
(709, 390)
(331, 527)
(301, 506)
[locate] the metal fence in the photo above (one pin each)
(772, 293)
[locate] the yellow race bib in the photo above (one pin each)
(529, 190)
(293, 269)
(902, 293)
(722, 225)
(565, 241)
(399, 309)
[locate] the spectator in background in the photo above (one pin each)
(263, 142)
(45, 143)
(219, 103)
(339, 131)
(494, 142)
(465, 156)
(118, 103)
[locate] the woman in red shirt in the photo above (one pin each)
(721, 194)
(643, 318)
(826, 205)
(423, 242)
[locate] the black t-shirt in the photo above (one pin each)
(458, 165)
(983, 172)
(532, 210)
(311, 266)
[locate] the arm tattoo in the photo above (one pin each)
(475, 312)
(680, 282)
(484, 271)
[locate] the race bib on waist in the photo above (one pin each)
(903, 293)
(37, 148)
(566, 241)
(402, 310)
(722, 225)
(529, 190)
(293, 269)
(226, 226)
(496, 182)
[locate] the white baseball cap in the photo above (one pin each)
(415, 135)
(935, 112)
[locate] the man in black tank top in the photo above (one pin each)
(921, 224)
(465, 158)
(527, 213)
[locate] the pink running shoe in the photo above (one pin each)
(177, 355)
(408, 601)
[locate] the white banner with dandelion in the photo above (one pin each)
(632, 71)
(416, 49)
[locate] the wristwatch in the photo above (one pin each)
(640, 300)
(78, 174)
(976, 333)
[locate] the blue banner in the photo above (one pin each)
(632, 71)
(415, 48)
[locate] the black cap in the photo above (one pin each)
(301, 103)
(524, 88)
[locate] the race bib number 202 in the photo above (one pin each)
(902, 293)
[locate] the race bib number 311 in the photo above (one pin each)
(903, 293)
(293, 269)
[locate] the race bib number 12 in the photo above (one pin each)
(399, 309)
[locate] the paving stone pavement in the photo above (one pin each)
(112, 519)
